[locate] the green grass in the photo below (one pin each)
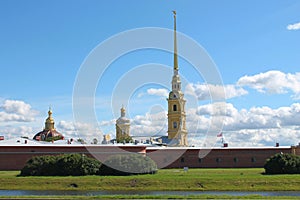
(166, 179)
(150, 197)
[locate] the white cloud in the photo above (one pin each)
(108, 123)
(150, 124)
(262, 137)
(215, 92)
(85, 131)
(295, 26)
(257, 126)
(274, 82)
(14, 132)
(158, 92)
(217, 109)
(18, 111)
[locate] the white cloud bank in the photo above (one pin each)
(13, 132)
(158, 92)
(161, 92)
(149, 124)
(295, 26)
(274, 82)
(257, 126)
(215, 92)
(85, 131)
(16, 111)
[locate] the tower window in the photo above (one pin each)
(174, 124)
(174, 107)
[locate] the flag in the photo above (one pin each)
(220, 134)
(1, 137)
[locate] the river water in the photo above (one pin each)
(181, 193)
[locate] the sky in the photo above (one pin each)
(254, 46)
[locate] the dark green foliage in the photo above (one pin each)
(62, 165)
(129, 164)
(283, 164)
(124, 139)
(50, 139)
(39, 166)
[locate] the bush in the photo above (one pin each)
(124, 138)
(39, 166)
(130, 164)
(62, 165)
(283, 164)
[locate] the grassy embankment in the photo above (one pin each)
(149, 197)
(167, 179)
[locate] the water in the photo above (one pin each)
(181, 193)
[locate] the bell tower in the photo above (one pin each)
(176, 104)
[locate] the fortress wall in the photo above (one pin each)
(216, 158)
(15, 157)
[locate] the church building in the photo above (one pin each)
(123, 127)
(177, 132)
(49, 133)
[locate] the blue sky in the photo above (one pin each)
(44, 43)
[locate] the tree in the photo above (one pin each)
(124, 138)
(61, 165)
(283, 164)
(95, 141)
(81, 140)
(129, 164)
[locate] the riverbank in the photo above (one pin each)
(149, 197)
(165, 180)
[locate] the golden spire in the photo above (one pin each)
(175, 44)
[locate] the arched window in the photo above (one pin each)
(174, 124)
(175, 107)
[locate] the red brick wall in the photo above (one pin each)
(223, 158)
(15, 157)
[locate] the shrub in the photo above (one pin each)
(39, 166)
(62, 165)
(124, 138)
(283, 164)
(129, 164)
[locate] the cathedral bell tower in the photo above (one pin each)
(177, 131)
